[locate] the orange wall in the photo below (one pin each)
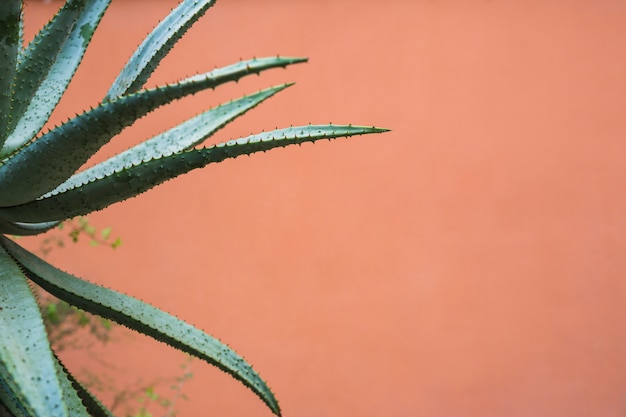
(470, 263)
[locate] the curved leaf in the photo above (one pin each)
(64, 149)
(156, 46)
(27, 366)
(141, 317)
(137, 179)
(182, 137)
(26, 229)
(48, 65)
(10, 13)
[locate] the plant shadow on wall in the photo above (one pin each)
(42, 184)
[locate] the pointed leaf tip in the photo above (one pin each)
(138, 316)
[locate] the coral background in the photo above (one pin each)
(469, 263)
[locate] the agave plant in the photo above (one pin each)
(42, 183)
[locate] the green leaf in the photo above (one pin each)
(137, 179)
(65, 148)
(27, 366)
(79, 400)
(26, 229)
(10, 405)
(141, 317)
(105, 233)
(182, 137)
(40, 55)
(10, 13)
(71, 399)
(156, 46)
(47, 67)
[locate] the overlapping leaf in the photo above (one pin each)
(47, 66)
(156, 46)
(23, 177)
(27, 366)
(80, 402)
(137, 179)
(39, 187)
(179, 138)
(10, 14)
(25, 229)
(142, 317)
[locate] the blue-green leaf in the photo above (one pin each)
(41, 54)
(10, 405)
(27, 366)
(10, 14)
(182, 137)
(137, 179)
(26, 229)
(156, 46)
(64, 149)
(79, 401)
(141, 317)
(47, 67)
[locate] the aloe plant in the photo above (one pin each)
(42, 184)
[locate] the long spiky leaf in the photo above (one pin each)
(39, 187)
(47, 67)
(140, 316)
(41, 54)
(10, 45)
(179, 138)
(72, 401)
(68, 146)
(26, 362)
(137, 179)
(79, 400)
(26, 229)
(156, 46)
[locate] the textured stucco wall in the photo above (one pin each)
(470, 263)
